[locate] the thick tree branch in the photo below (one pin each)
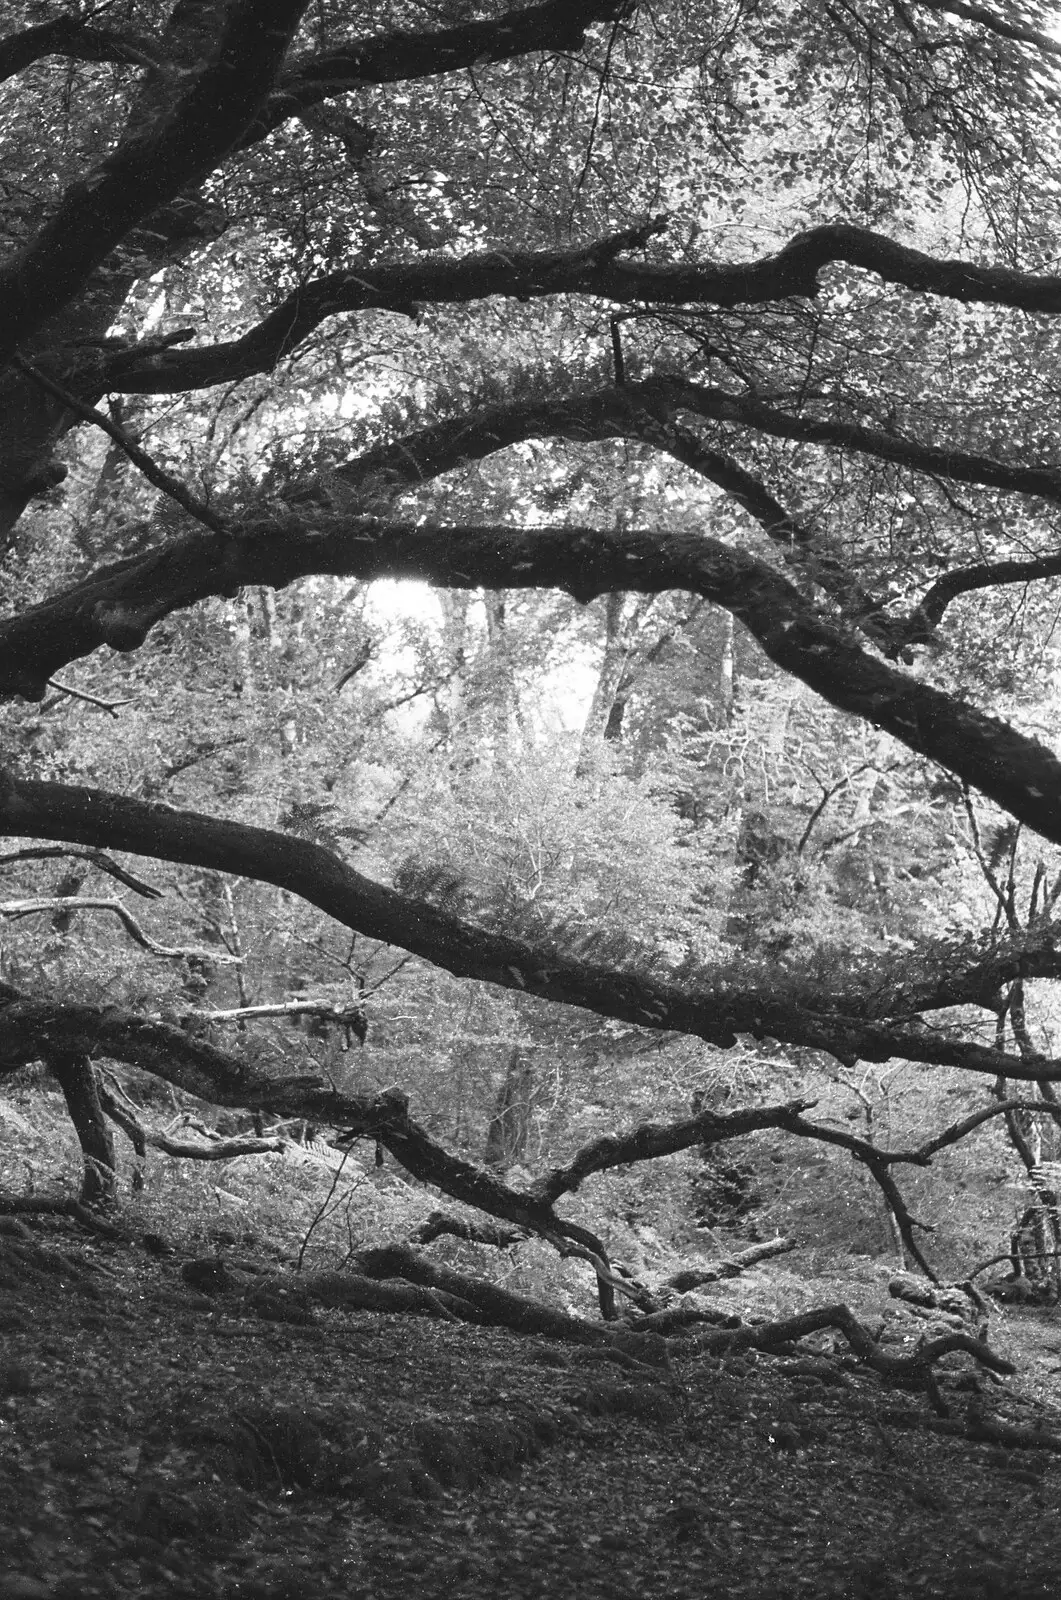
(73, 37)
(984, 575)
(557, 25)
(962, 466)
(649, 1141)
(629, 411)
(644, 411)
(718, 1012)
(590, 270)
(148, 167)
(118, 605)
(652, 1140)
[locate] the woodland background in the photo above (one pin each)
(758, 300)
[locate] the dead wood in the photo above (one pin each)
(729, 1266)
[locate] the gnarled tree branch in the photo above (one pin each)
(717, 1011)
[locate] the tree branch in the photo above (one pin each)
(97, 858)
(959, 465)
(652, 1140)
(52, 903)
(1003, 27)
(187, 1061)
(148, 167)
(984, 575)
(118, 605)
(557, 25)
(71, 36)
(717, 1011)
(156, 475)
(526, 275)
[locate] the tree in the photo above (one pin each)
(752, 311)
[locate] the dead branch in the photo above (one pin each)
(438, 1223)
(909, 1372)
(98, 858)
(62, 902)
(730, 1266)
(112, 707)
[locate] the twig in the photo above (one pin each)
(155, 474)
(110, 706)
(321, 1212)
(73, 902)
(98, 858)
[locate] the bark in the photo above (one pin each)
(354, 1291)
(66, 36)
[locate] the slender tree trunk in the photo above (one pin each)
(726, 669)
(506, 1140)
(619, 633)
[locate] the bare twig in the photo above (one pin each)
(154, 474)
(67, 902)
(98, 858)
(110, 706)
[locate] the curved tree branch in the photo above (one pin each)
(96, 858)
(792, 272)
(985, 575)
(68, 903)
(961, 466)
(394, 57)
(75, 38)
(118, 605)
(718, 1012)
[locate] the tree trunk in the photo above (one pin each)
(506, 1139)
(76, 1077)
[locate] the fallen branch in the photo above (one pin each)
(730, 1266)
(500, 1306)
(18, 1205)
(907, 1372)
(980, 1428)
(438, 1223)
(350, 1016)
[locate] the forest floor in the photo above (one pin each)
(154, 1442)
